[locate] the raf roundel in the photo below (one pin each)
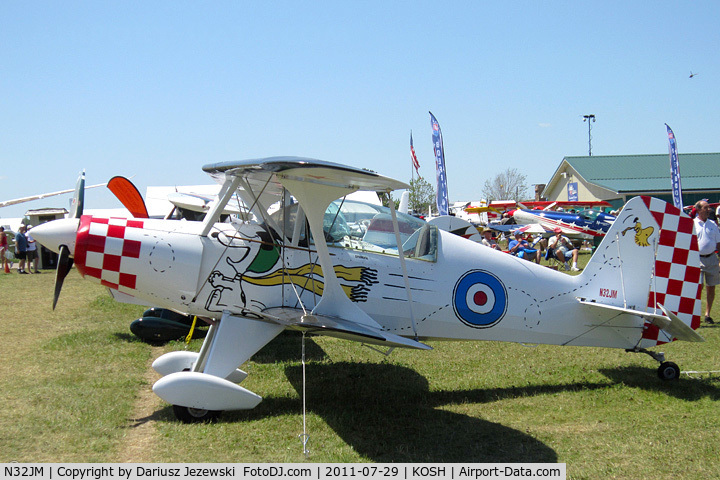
(480, 299)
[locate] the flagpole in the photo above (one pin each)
(416, 166)
(413, 168)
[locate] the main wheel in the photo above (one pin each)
(668, 371)
(195, 415)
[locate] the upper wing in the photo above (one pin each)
(260, 182)
(264, 174)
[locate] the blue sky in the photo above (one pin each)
(157, 89)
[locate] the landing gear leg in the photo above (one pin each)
(666, 370)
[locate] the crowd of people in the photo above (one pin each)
(558, 247)
(26, 252)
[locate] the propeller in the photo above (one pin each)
(65, 263)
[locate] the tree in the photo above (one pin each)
(422, 195)
(508, 185)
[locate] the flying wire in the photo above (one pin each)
(304, 437)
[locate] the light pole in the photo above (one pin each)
(589, 118)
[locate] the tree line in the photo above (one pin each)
(507, 185)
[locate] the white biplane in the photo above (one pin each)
(325, 265)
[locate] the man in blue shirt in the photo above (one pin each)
(521, 248)
(21, 246)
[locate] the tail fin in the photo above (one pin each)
(648, 260)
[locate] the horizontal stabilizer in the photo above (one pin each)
(296, 319)
(676, 327)
(669, 322)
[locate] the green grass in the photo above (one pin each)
(73, 378)
(69, 377)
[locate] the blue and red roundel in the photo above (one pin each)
(480, 299)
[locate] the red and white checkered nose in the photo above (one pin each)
(56, 233)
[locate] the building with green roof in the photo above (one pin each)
(618, 178)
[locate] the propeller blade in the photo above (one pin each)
(79, 198)
(64, 265)
(128, 194)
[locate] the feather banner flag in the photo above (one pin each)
(674, 169)
(442, 192)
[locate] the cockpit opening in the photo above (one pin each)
(364, 227)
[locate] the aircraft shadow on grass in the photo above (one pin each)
(685, 388)
(388, 414)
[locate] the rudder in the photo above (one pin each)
(648, 258)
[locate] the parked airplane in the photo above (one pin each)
(531, 210)
(323, 265)
(585, 224)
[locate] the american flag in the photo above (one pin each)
(415, 162)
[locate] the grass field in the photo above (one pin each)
(77, 384)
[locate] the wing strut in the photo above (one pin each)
(226, 193)
(334, 301)
(261, 211)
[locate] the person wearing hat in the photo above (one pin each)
(564, 250)
(488, 239)
(521, 248)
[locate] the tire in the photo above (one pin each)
(195, 415)
(668, 371)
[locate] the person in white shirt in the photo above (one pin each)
(708, 236)
(488, 240)
(32, 253)
(563, 249)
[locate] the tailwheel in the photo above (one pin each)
(195, 415)
(668, 371)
